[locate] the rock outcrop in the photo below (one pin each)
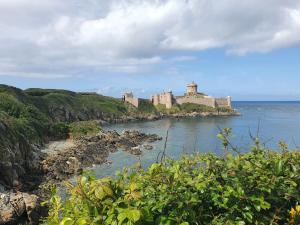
(17, 155)
(15, 207)
(93, 150)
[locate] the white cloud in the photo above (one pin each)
(35, 75)
(64, 37)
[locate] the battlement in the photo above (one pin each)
(192, 88)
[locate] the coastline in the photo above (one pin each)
(160, 116)
(83, 153)
(58, 166)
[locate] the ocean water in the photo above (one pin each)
(271, 121)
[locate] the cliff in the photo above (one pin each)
(29, 118)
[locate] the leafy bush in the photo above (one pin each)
(258, 187)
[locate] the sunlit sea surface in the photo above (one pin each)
(271, 121)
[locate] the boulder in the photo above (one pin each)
(17, 206)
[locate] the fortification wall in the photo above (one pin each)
(155, 99)
(164, 98)
(223, 102)
(129, 98)
(206, 100)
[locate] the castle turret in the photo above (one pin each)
(192, 88)
(229, 101)
(168, 96)
(155, 99)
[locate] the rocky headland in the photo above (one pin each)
(31, 118)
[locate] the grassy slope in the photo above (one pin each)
(189, 108)
(38, 110)
(37, 113)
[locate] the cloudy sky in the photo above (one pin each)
(248, 49)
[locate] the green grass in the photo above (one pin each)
(37, 107)
(191, 107)
(162, 108)
(83, 128)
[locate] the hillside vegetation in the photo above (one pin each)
(40, 114)
(258, 187)
(29, 118)
(34, 116)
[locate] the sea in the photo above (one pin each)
(271, 122)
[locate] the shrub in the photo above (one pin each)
(59, 130)
(258, 187)
(146, 106)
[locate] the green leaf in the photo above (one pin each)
(66, 221)
(81, 221)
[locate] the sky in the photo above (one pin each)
(247, 49)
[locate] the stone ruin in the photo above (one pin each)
(129, 98)
(191, 96)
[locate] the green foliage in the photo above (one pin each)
(59, 130)
(224, 109)
(146, 106)
(38, 114)
(82, 128)
(174, 109)
(258, 187)
(192, 107)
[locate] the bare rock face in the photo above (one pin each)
(17, 155)
(17, 206)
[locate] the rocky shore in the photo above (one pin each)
(17, 206)
(159, 116)
(93, 150)
(21, 203)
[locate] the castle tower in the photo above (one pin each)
(229, 101)
(129, 98)
(155, 99)
(168, 98)
(192, 88)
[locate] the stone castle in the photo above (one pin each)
(191, 96)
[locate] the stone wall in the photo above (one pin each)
(223, 102)
(203, 100)
(165, 98)
(129, 98)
